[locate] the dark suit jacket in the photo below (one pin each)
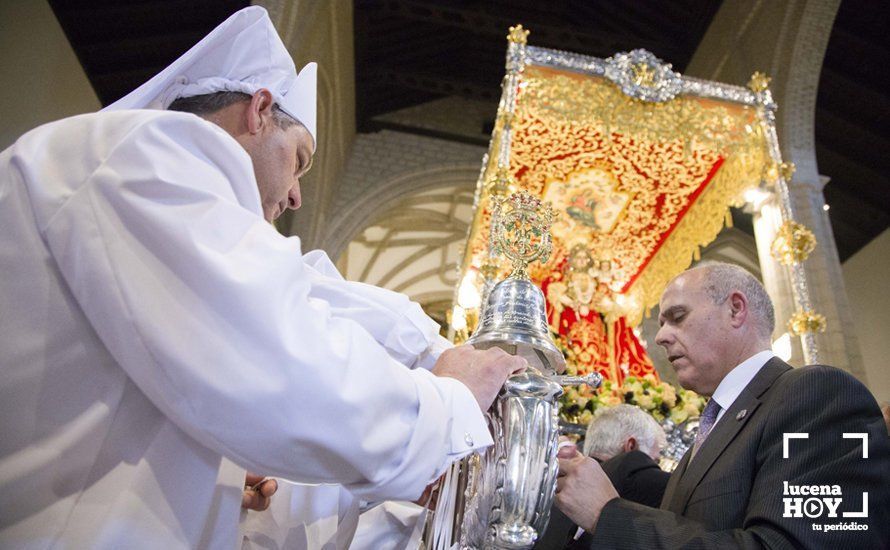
(635, 476)
(731, 494)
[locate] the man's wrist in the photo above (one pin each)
(597, 517)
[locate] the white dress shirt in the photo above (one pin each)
(735, 381)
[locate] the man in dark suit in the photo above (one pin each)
(635, 476)
(785, 457)
(626, 441)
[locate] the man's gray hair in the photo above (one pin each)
(207, 104)
(722, 279)
(608, 431)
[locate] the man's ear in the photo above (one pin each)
(738, 305)
(259, 112)
(630, 445)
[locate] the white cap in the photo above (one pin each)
(243, 54)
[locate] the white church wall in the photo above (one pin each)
(42, 78)
(401, 213)
(415, 246)
(387, 165)
(869, 293)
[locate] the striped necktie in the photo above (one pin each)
(705, 423)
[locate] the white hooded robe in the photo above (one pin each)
(152, 323)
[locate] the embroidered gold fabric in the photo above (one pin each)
(638, 186)
(643, 185)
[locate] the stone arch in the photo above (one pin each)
(366, 207)
(797, 99)
(412, 239)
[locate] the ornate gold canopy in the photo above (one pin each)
(641, 165)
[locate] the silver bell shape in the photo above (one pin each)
(515, 319)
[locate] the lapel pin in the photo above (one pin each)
(742, 414)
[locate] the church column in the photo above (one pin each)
(838, 345)
(767, 220)
(803, 57)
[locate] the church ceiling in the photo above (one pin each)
(426, 49)
(410, 52)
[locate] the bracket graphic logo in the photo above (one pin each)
(818, 501)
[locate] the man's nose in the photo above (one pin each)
(663, 336)
(294, 199)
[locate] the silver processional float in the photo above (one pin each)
(501, 499)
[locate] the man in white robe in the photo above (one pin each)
(159, 337)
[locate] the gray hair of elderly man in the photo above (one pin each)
(608, 432)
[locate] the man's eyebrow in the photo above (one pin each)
(671, 312)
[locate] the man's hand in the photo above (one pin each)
(482, 371)
(258, 492)
(582, 488)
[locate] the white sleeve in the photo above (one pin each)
(209, 311)
(427, 359)
(394, 321)
(392, 524)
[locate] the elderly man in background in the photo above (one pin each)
(768, 435)
(626, 441)
(159, 337)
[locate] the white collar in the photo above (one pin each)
(739, 377)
